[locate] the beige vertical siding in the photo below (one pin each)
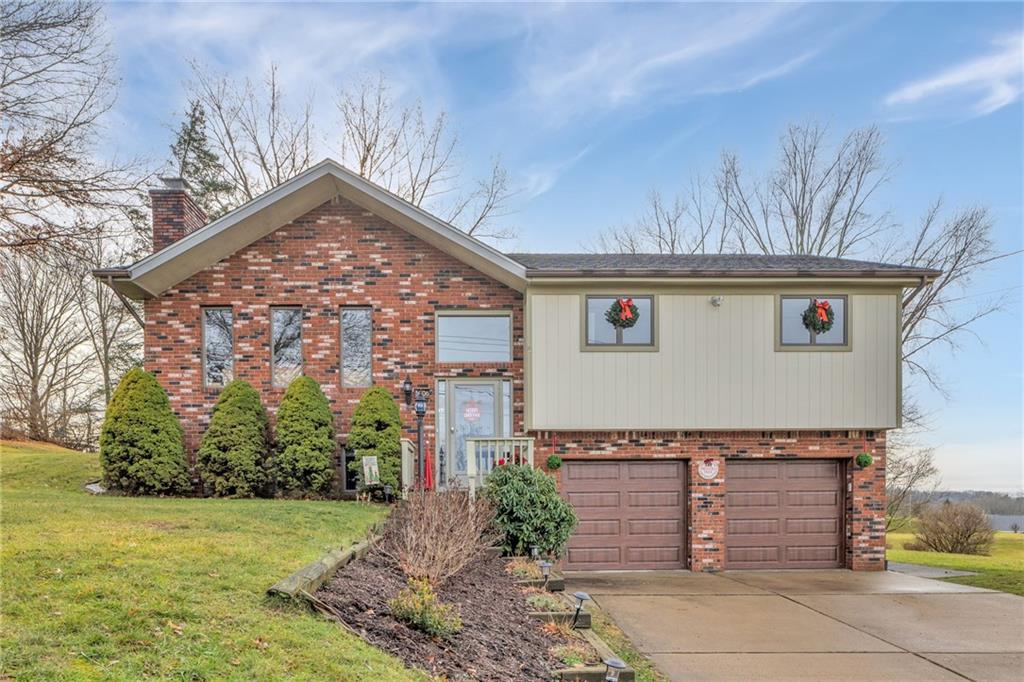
(715, 368)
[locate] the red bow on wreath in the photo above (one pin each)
(625, 308)
(822, 307)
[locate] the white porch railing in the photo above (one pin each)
(483, 454)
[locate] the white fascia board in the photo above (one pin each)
(157, 272)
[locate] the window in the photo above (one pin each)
(474, 338)
(792, 331)
(286, 345)
(356, 347)
(218, 351)
(601, 332)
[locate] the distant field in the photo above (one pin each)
(120, 588)
(1002, 570)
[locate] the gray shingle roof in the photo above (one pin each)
(705, 265)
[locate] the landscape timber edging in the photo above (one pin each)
(312, 576)
(594, 673)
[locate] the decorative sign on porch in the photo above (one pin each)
(371, 472)
(708, 469)
(471, 411)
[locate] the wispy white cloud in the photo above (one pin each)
(985, 84)
(539, 178)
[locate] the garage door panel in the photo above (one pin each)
(769, 499)
(645, 528)
(812, 498)
(596, 499)
(671, 527)
(800, 527)
(599, 527)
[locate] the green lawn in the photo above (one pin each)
(128, 588)
(1002, 570)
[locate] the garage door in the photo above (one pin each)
(784, 514)
(631, 515)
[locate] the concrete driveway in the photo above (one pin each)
(813, 625)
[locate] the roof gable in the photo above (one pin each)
(255, 219)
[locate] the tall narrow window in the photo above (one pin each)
(356, 347)
(286, 345)
(218, 351)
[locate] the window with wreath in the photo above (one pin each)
(813, 321)
(620, 321)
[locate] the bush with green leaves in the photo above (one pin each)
(377, 431)
(528, 509)
(233, 458)
(142, 449)
(304, 437)
(419, 606)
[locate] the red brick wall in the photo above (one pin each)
(336, 255)
(865, 503)
(175, 214)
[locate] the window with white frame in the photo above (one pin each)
(218, 347)
(476, 337)
(286, 345)
(794, 333)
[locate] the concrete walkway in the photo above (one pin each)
(813, 625)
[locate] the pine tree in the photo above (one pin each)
(200, 166)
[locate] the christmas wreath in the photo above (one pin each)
(623, 313)
(819, 316)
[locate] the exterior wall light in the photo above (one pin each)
(581, 597)
(534, 552)
(407, 390)
(717, 301)
(613, 667)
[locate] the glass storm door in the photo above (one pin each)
(472, 413)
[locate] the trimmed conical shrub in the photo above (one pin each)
(377, 431)
(304, 437)
(233, 458)
(142, 451)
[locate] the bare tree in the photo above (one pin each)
(111, 332)
(56, 82)
(402, 150)
(909, 468)
(45, 371)
(694, 222)
(259, 139)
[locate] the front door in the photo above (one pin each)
(472, 409)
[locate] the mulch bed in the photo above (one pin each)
(498, 641)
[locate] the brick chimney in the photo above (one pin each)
(175, 213)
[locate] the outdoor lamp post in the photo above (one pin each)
(613, 667)
(581, 597)
(422, 394)
(545, 570)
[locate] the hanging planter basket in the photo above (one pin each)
(864, 460)
(819, 316)
(623, 313)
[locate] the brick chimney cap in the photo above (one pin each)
(175, 183)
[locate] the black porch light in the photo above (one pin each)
(407, 390)
(580, 598)
(534, 552)
(613, 667)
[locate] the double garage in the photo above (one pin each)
(633, 514)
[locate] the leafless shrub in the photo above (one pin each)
(434, 535)
(955, 528)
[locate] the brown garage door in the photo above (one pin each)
(784, 514)
(631, 514)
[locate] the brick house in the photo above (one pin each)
(718, 432)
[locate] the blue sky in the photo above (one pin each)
(591, 106)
